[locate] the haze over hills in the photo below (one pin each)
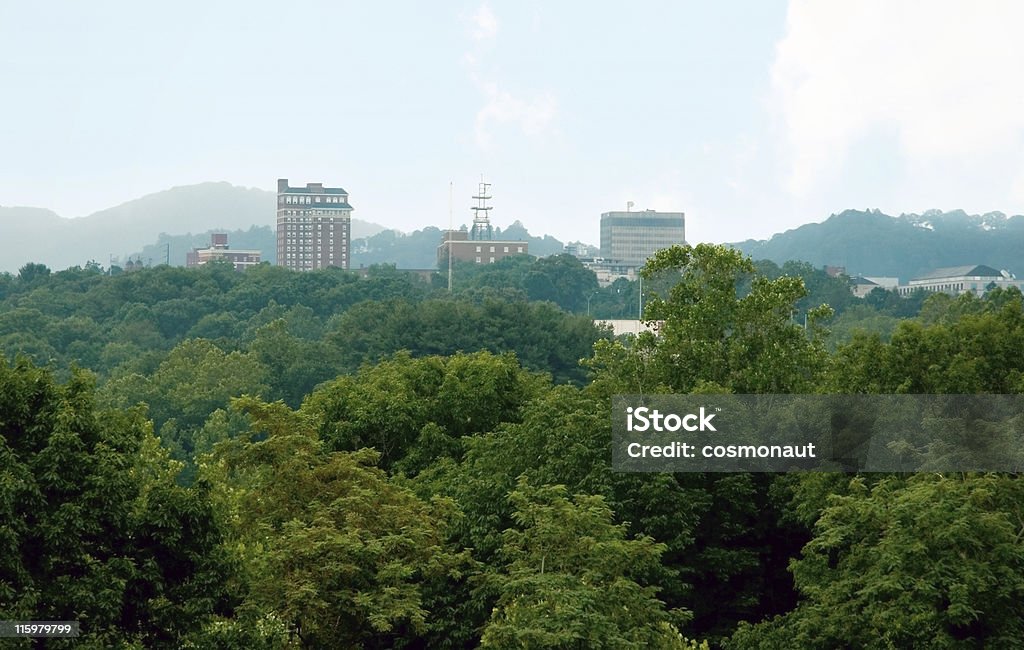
(865, 242)
(38, 235)
(418, 249)
(875, 244)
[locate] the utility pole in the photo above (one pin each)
(451, 225)
(640, 306)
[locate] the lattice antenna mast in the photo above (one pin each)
(481, 221)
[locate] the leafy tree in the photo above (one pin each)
(32, 272)
(295, 365)
(413, 411)
(96, 530)
(928, 561)
(542, 336)
(561, 279)
(331, 546)
(569, 579)
(194, 380)
(714, 335)
(708, 334)
(860, 319)
(970, 346)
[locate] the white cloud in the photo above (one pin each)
(484, 24)
(531, 114)
(942, 75)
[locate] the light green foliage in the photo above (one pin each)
(330, 545)
(569, 579)
(194, 380)
(708, 333)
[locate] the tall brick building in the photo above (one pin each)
(313, 226)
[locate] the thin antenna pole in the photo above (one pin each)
(451, 224)
(640, 307)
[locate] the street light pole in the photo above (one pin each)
(589, 298)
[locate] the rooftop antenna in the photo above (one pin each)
(629, 204)
(451, 226)
(481, 222)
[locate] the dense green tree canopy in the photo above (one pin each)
(95, 528)
(346, 461)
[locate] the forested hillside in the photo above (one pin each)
(199, 458)
(875, 244)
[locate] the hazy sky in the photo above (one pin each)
(750, 117)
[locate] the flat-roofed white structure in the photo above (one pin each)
(955, 280)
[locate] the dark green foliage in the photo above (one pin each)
(929, 561)
(422, 498)
(95, 528)
(32, 272)
(542, 336)
(414, 411)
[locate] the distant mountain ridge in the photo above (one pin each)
(872, 243)
(865, 242)
(39, 235)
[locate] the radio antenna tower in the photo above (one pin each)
(482, 229)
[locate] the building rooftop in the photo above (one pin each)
(311, 188)
(305, 190)
(976, 270)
